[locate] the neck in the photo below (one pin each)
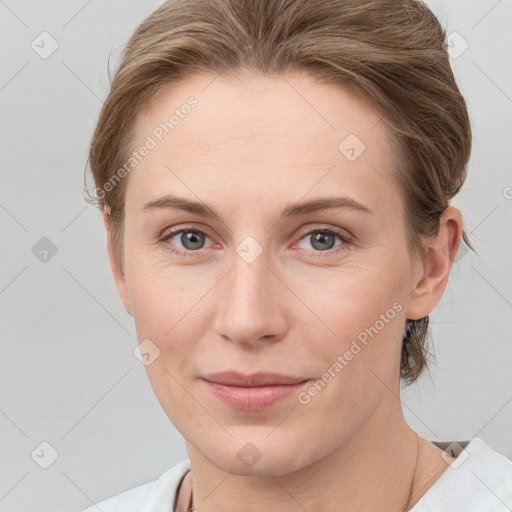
(372, 470)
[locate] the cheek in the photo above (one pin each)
(166, 310)
(360, 312)
(349, 298)
(168, 304)
(359, 362)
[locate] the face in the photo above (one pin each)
(261, 284)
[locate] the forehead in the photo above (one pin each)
(286, 136)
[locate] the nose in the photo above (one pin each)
(251, 303)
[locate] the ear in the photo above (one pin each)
(114, 265)
(435, 272)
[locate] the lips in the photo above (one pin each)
(252, 392)
(233, 378)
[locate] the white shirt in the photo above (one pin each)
(478, 480)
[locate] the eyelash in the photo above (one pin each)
(317, 254)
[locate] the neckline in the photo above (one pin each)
(178, 488)
(454, 447)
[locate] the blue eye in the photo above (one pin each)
(323, 240)
(193, 239)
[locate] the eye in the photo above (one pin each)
(191, 240)
(323, 240)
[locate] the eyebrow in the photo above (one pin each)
(292, 210)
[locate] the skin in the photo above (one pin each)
(249, 148)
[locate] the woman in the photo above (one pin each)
(275, 179)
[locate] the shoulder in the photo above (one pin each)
(151, 496)
(478, 480)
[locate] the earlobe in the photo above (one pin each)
(119, 276)
(436, 270)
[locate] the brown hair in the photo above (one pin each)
(390, 52)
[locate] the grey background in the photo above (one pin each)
(68, 373)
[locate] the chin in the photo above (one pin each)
(275, 465)
(251, 455)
